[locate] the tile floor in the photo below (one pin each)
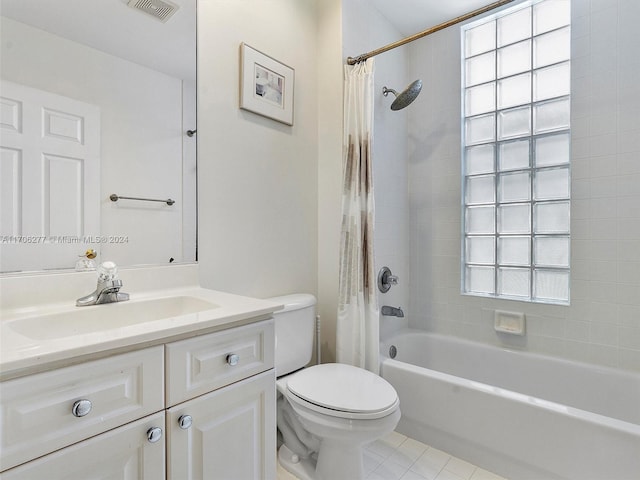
(398, 457)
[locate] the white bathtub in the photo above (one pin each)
(521, 415)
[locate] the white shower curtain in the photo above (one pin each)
(357, 333)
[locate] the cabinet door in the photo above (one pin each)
(124, 453)
(232, 435)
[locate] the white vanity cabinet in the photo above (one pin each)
(204, 407)
(224, 433)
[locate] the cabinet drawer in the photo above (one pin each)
(37, 412)
(198, 365)
(123, 453)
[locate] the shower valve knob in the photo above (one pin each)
(386, 279)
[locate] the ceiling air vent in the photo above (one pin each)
(159, 9)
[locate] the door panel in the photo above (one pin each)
(50, 178)
(232, 435)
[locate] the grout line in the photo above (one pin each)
(392, 444)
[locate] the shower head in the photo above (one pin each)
(406, 97)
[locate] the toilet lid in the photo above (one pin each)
(343, 388)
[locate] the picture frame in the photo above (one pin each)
(266, 85)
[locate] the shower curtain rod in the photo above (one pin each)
(428, 31)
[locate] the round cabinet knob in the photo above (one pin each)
(185, 421)
(154, 434)
(81, 408)
(233, 359)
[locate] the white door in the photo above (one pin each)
(49, 178)
(124, 453)
(232, 435)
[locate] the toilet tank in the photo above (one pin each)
(294, 329)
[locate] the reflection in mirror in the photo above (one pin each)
(97, 99)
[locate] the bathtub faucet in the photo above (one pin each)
(388, 311)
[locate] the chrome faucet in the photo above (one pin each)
(108, 288)
(388, 311)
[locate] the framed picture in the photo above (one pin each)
(266, 85)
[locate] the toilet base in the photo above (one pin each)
(339, 460)
(304, 468)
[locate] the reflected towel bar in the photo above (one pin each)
(115, 198)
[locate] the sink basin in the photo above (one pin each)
(100, 318)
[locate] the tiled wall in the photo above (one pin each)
(390, 182)
(602, 324)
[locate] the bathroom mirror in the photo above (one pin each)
(98, 98)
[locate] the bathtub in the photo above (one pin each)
(518, 414)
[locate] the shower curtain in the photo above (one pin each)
(357, 332)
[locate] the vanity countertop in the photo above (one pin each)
(42, 346)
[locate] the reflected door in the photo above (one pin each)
(49, 178)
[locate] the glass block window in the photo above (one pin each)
(516, 151)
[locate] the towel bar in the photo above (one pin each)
(115, 198)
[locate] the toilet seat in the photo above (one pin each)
(343, 391)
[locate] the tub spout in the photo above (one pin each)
(388, 311)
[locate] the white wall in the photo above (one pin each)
(269, 206)
(141, 137)
(330, 91)
(258, 180)
(602, 325)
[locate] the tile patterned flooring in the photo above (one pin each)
(398, 457)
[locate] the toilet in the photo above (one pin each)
(326, 413)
